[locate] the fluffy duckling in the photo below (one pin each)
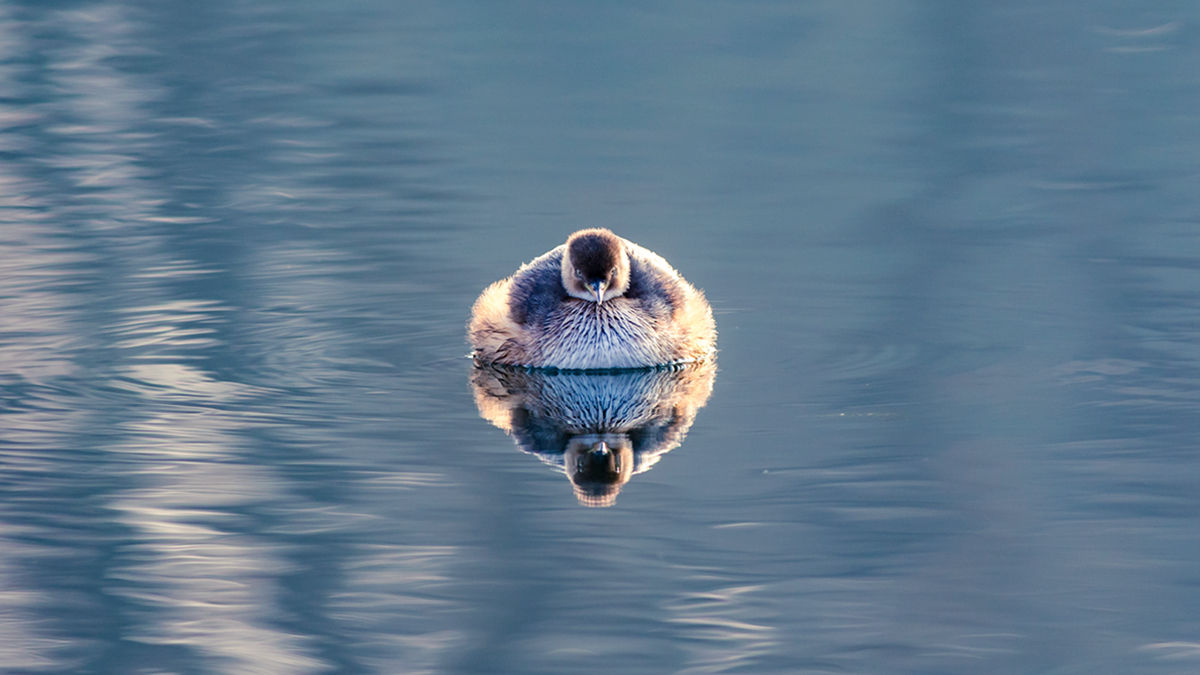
(595, 302)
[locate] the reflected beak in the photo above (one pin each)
(598, 290)
(600, 449)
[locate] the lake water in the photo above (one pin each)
(954, 255)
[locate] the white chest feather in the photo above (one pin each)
(615, 334)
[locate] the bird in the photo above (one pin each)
(597, 302)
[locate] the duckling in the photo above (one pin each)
(596, 302)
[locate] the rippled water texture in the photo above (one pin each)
(952, 249)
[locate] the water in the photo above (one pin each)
(952, 249)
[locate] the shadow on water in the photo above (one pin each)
(600, 429)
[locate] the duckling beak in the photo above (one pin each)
(598, 290)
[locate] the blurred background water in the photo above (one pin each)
(952, 247)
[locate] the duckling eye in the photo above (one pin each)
(578, 274)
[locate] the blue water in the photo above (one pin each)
(953, 250)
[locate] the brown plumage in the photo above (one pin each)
(597, 301)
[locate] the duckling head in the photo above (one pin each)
(595, 266)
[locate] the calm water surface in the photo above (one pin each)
(954, 252)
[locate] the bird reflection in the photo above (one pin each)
(601, 429)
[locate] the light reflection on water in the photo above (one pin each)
(951, 250)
